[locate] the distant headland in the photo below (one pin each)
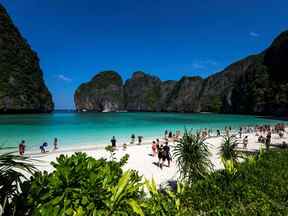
(256, 84)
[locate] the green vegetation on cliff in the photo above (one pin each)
(22, 88)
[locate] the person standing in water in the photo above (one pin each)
(22, 148)
(55, 143)
(113, 142)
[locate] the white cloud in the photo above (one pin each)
(254, 34)
(203, 64)
(64, 78)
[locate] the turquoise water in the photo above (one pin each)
(97, 128)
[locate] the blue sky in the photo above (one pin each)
(168, 38)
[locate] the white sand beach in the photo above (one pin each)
(140, 156)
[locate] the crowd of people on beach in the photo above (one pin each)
(161, 149)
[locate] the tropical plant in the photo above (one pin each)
(228, 151)
(258, 188)
(82, 185)
(14, 170)
(165, 202)
(192, 156)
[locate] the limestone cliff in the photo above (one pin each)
(257, 84)
(104, 93)
(142, 92)
(22, 88)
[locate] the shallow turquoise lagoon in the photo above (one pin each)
(80, 129)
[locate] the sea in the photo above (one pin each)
(93, 129)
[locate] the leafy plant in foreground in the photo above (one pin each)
(14, 170)
(192, 156)
(82, 185)
(228, 150)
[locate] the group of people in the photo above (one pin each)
(162, 151)
(172, 136)
(133, 137)
(43, 147)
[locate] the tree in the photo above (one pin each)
(192, 156)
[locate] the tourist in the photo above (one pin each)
(157, 144)
(124, 146)
(43, 147)
(154, 148)
(166, 154)
(170, 135)
(245, 142)
(166, 133)
(139, 140)
(268, 140)
(218, 132)
(160, 155)
(55, 143)
(240, 132)
(22, 148)
(113, 142)
(284, 145)
(132, 138)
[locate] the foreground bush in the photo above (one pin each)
(257, 188)
(82, 185)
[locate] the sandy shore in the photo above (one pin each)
(140, 157)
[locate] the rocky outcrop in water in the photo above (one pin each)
(22, 88)
(257, 84)
(104, 93)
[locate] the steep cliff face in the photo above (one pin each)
(142, 92)
(166, 90)
(104, 93)
(185, 95)
(257, 84)
(217, 89)
(263, 88)
(22, 88)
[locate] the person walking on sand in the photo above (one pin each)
(268, 141)
(160, 155)
(113, 142)
(154, 148)
(22, 148)
(166, 154)
(132, 138)
(245, 142)
(55, 143)
(139, 140)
